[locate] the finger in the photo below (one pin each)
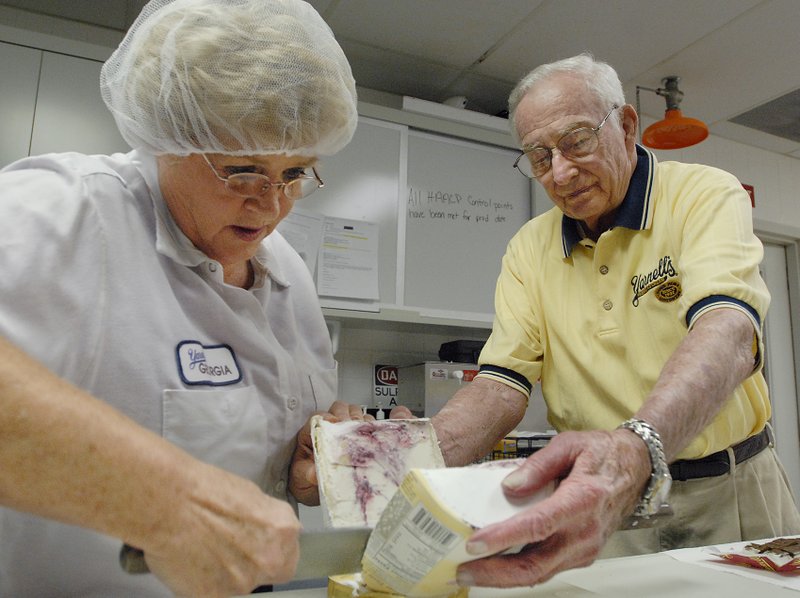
(303, 482)
(530, 476)
(401, 412)
(533, 564)
(552, 462)
(535, 524)
(354, 412)
(305, 492)
(575, 508)
(304, 473)
(346, 411)
(278, 560)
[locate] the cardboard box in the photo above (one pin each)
(420, 538)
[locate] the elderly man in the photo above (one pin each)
(638, 303)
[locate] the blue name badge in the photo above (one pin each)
(212, 365)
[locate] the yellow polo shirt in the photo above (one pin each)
(596, 322)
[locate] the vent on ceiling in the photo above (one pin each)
(780, 117)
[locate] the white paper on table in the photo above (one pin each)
(708, 556)
(303, 231)
(348, 259)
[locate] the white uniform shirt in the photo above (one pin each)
(100, 285)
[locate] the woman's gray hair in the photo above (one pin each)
(231, 76)
(600, 78)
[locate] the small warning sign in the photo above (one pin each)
(751, 191)
(385, 385)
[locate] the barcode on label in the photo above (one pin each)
(431, 528)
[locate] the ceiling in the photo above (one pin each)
(733, 56)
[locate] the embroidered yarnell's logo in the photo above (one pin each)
(669, 291)
(658, 279)
(212, 365)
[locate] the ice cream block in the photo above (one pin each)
(360, 464)
(352, 586)
(420, 538)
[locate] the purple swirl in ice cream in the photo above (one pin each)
(365, 462)
(383, 446)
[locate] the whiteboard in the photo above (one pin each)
(463, 203)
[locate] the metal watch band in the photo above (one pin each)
(655, 495)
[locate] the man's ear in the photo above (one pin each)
(630, 124)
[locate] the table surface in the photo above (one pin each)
(688, 573)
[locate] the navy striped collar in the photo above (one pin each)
(634, 212)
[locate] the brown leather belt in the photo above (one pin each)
(717, 464)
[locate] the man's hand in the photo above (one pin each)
(602, 476)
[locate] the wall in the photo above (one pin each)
(776, 179)
(364, 341)
(362, 346)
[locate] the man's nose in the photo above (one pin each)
(563, 168)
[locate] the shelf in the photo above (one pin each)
(407, 320)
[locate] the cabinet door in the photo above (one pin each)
(19, 72)
(70, 114)
(779, 363)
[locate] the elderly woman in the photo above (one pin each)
(163, 344)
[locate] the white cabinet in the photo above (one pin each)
(19, 74)
(51, 103)
(70, 114)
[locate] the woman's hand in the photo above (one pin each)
(226, 537)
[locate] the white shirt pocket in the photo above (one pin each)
(227, 428)
(324, 386)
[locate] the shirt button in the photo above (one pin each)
(292, 403)
(607, 305)
(604, 269)
(280, 487)
(212, 267)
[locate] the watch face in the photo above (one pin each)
(663, 485)
(657, 490)
(657, 494)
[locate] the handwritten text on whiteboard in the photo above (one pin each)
(453, 207)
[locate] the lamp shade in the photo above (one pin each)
(675, 131)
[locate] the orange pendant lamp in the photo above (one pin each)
(676, 130)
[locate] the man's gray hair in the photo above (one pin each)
(600, 78)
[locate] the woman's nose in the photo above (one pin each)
(269, 200)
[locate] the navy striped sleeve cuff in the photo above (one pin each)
(715, 301)
(507, 377)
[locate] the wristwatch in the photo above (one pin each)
(655, 495)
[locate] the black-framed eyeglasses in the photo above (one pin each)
(302, 182)
(535, 161)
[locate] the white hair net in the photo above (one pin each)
(232, 77)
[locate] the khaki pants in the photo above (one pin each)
(751, 502)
